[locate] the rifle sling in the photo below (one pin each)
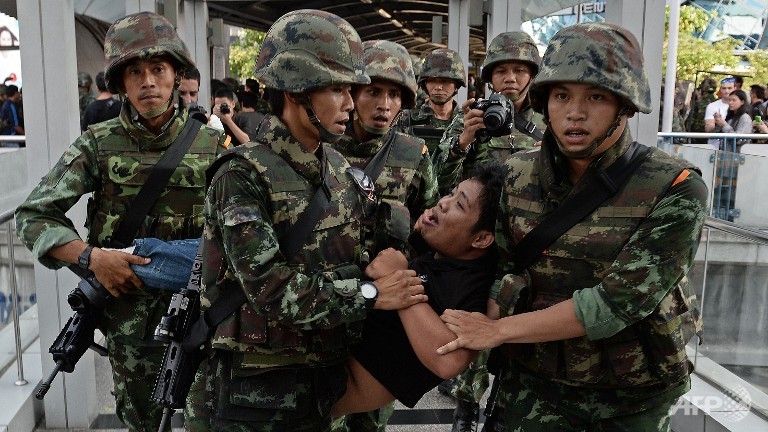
(376, 164)
(155, 184)
(602, 185)
(528, 128)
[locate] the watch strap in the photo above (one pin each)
(84, 260)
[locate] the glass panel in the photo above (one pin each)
(25, 278)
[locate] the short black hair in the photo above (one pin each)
(252, 84)
(491, 176)
(758, 90)
(191, 74)
(11, 90)
(276, 100)
(101, 83)
(225, 92)
(249, 100)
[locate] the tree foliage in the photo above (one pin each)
(243, 53)
(694, 54)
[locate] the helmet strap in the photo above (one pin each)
(370, 129)
(325, 134)
(154, 112)
(587, 152)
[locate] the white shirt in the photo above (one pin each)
(709, 114)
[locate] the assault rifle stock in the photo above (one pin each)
(77, 335)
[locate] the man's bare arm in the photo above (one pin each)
(426, 333)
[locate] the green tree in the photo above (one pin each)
(758, 59)
(243, 53)
(694, 54)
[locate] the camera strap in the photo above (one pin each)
(528, 127)
(155, 184)
(602, 184)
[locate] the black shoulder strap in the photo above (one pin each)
(298, 233)
(155, 184)
(602, 185)
(528, 128)
(376, 164)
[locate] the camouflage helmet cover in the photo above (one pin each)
(511, 46)
(84, 79)
(444, 63)
(310, 49)
(390, 61)
(708, 85)
(417, 63)
(141, 35)
(604, 55)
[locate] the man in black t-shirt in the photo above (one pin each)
(104, 108)
(397, 357)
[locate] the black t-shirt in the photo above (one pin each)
(99, 111)
(385, 350)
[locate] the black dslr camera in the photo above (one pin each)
(498, 116)
(225, 109)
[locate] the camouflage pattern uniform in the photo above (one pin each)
(624, 265)
(406, 185)
(278, 362)
(113, 160)
(451, 168)
(421, 121)
(84, 95)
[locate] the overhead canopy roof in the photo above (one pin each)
(408, 22)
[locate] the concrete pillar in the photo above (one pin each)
(135, 6)
(48, 60)
(458, 35)
(642, 18)
(193, 29)
(503, 16)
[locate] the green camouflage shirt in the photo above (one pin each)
(304, 309)
(624, 265)
(112, 160)
(451, 169)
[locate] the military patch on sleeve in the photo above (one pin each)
(680, 178)
(226, 142)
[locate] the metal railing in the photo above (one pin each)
(7, 217)
(19, 139)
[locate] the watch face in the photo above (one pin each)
(368, 290)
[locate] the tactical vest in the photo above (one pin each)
(391, 225)
(425, 126)
(649, 352)
(269, 343)
(178, 212)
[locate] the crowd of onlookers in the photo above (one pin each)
(724, 108)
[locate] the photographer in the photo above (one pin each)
(238, 128)
(511, 63)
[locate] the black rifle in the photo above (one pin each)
(181, 360)
(77, 335)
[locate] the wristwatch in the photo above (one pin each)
(456, 148)
(370, 294)
(84, 260)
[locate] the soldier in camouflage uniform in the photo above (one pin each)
(406, 184)
(695, 120)
(442, 75)
(596, 327)
(509, 67)
(144, 59)
(277, 364)
(84, 95)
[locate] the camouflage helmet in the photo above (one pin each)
(511, 46)
(708, 85)
(444, 63)
(417, 63)
(310, 49)
(604, 55)
(390, 61)
(141, 35)
(84, 79)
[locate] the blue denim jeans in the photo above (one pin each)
(171, 262)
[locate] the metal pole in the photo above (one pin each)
(15, 305)
(670, 76)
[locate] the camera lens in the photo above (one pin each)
(494, 117)
(224, 108)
